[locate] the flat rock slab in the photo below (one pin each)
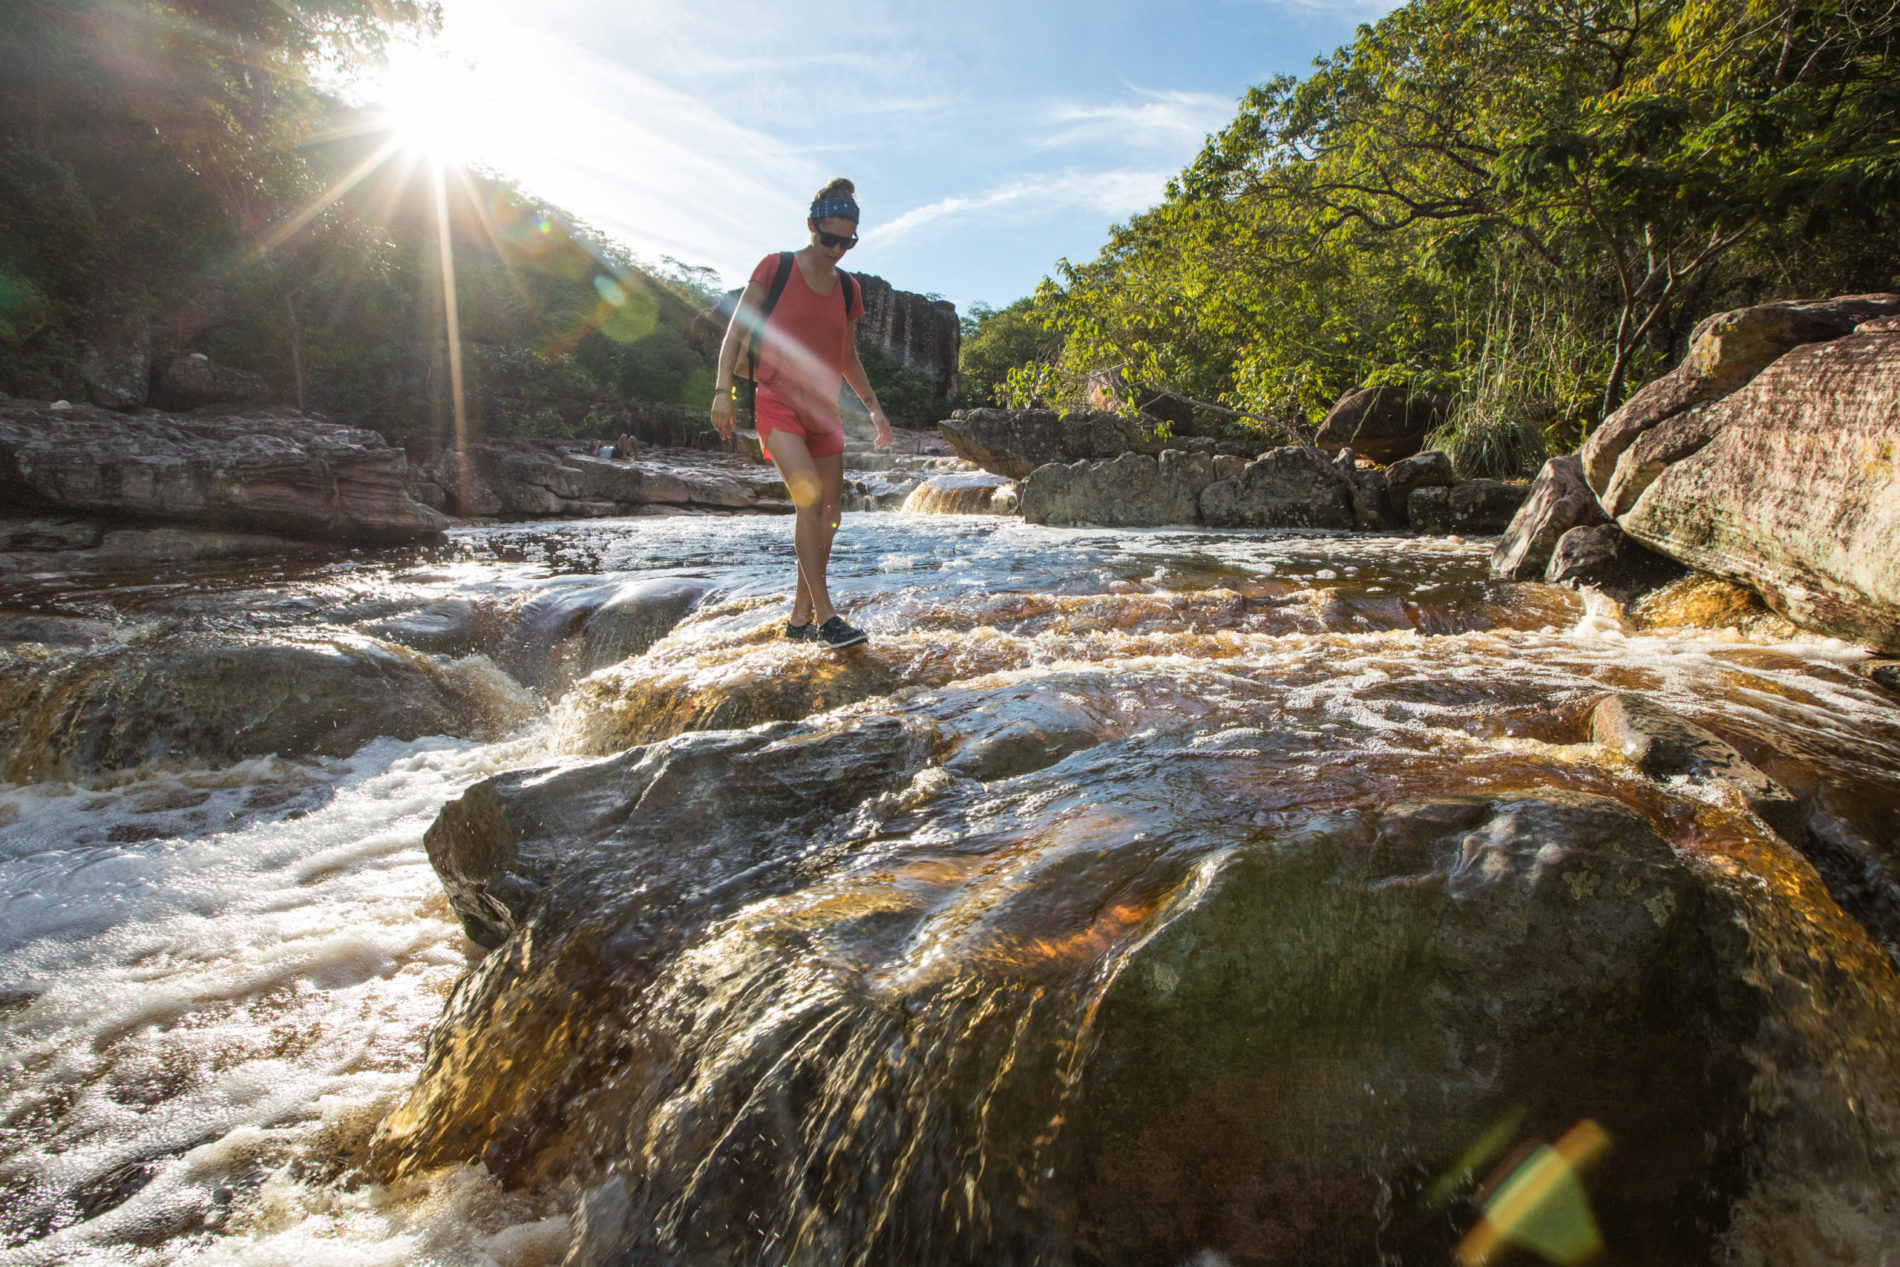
(1014, 442)
(269, 470)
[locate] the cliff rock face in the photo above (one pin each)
(1790, 485)
(917, 331)
(274, 470)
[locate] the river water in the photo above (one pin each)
(216, 980)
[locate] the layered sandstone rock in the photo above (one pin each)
(1725, 352)
(191, 382)
(1790, 485)
(532, 479)
(1382, 423)
(271, 470)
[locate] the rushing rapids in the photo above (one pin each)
(1151, 896)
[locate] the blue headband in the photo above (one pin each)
(826, 208)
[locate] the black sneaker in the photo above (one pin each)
(834, 633)
(800, 633)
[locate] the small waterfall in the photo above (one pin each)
(974, 493)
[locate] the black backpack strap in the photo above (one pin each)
(850, 289)
(783, 275)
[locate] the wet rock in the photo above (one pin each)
(1726, 351)
(1382, 423)
(1373, 511)
(1007, 500)
(1882, 673)
(51, 631)
(537, 479)
(1474, 507)
(573, 629)
(1369, 990)
(193, 381)
(1014, 442)
(1559, 500)
(191, 702)
(1789, 486)
(50, 534)
(709, 822)
(736, 965)
(1287, 487)
(1605, 558)
(453, 627)
(274, 471)
(1663, 744)
(1130, 491)
(1430, 469)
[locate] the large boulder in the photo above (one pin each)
(273, 470)
(1559, 500)
(737, 979)
(1430, 469)
(1471, 508)
(1130, 491)
(193, 381)
(1789, 485)
(1014, 442)
(1725, 352)
(1382, 423)
(188, 700)
(1288, 487)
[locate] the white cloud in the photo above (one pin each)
(1173, 121)
(1116, 193)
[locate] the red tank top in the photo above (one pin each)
(801, 358)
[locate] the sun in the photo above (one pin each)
(432, 105)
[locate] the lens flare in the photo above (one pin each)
(1542, 1207)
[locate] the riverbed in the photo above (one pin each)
(217, 979)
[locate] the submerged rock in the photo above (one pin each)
(1662, 745)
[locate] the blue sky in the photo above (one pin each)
(987, 139)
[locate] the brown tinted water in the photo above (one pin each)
(1020, 1006)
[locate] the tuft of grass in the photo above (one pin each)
(1531, 376)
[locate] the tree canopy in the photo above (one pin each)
(1525, 202)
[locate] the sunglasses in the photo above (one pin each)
(832, 239)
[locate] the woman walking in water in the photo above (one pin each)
(805, 343)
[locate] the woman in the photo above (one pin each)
(807, 345)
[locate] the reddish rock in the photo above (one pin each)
(1382, 423)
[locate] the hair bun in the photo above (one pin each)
(839, 188)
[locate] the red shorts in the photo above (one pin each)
(773, 414)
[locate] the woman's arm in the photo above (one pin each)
(745, 316)
(854, 375)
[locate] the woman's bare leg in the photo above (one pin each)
(816, 521)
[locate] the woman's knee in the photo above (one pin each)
(807, 491)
